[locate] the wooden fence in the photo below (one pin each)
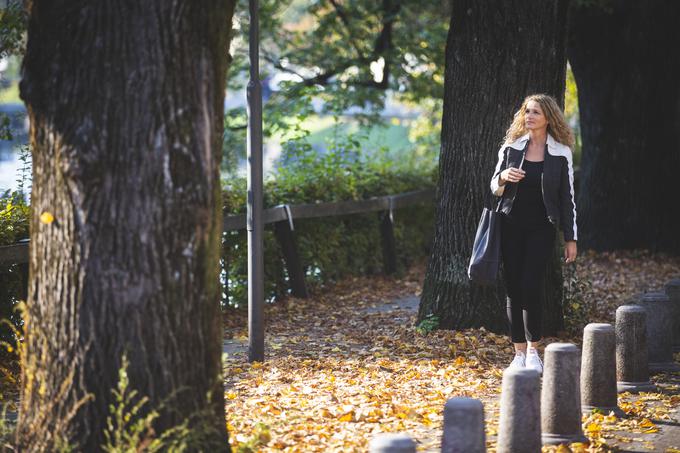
(283, 216)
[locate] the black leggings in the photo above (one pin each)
(525, 252)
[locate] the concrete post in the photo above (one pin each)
(519, 428)
(463, 426)
(673, 292)
(598, 368)
(392, 443)
(632, 372)
(560, 396)
(659, 331)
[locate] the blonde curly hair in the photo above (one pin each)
(557, 125)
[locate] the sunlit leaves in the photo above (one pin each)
(340, 373)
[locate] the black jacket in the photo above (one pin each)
(557, 182)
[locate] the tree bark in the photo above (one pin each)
(626, 63)
(497, 53)
(126, 106)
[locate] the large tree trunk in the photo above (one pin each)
(626, 63)
(497, 52)
(125, 103)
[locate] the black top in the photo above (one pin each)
(528, 209)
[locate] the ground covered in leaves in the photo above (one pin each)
(339, 371)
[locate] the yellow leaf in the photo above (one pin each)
(231, 395)
(593, 428)
(46, 218)
(646, 423)
(348, 417)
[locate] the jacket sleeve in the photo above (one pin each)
(497, 189)
(567, 203)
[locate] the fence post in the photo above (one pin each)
(23, 269)
(389, 248)
(283, 231)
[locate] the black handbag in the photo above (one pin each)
(486, 251)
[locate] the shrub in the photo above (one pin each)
(14, 215)
(330, 247)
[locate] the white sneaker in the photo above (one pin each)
(533, 361)
(518, 361)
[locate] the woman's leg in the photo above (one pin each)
(512, 253)
(539, 248)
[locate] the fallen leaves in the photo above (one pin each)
(338, 373)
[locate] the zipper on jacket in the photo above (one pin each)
(543, 196)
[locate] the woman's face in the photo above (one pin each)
(534, 119)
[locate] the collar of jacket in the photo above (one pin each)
(554, 147)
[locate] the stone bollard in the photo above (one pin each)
(392, 443)
(632, 372)
(463, 426)
(519, 428)
(673, 293)
(659, 331)
(598, 369)
(560, 396)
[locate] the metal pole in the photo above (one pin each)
(254, 213)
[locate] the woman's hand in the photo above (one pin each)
(511, 174)
(570, 251)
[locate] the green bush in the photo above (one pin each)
(330, 247)
(578, 308)
(14, 215)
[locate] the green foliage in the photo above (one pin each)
(14, 218)
(333, 247)
(427, 325)
(14, 215)
(425, 131)
(12, 28)
(129, 426)
(24, 174)
(5, 127)
(578, 309)
(337, 53)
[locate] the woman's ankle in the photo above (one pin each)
(520, 347)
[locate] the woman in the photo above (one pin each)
(535, 178)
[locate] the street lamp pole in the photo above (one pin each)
(254, 213)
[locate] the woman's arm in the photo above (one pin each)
(567, 203)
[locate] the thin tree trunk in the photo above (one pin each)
(125, 103)
(626, 63)
(497, 53)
